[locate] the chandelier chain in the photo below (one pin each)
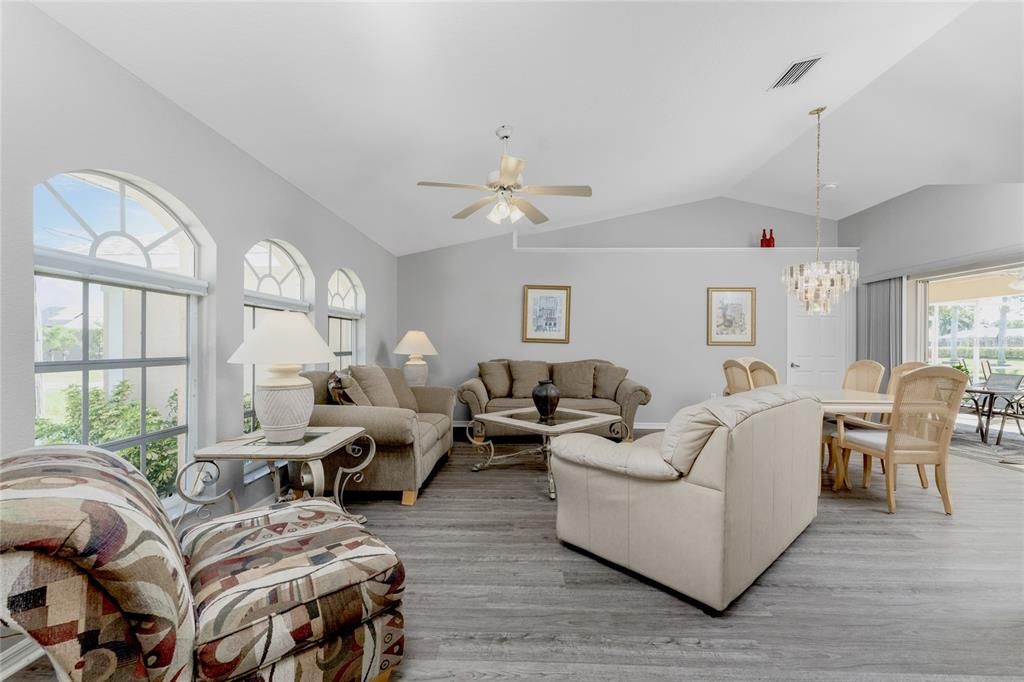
(817, 193)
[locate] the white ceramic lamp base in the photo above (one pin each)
(415, 371)
(283, 404)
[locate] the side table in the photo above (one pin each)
(309, 452)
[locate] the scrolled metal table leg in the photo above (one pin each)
(345, 474)
(205, 477)
(621, 431)
(477, 434)
(546, 449)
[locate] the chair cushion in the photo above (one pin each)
(440, 422)
(272, 581)
(607, 379)
(406, 398)
(525, 376)
(870, 438)
(574, 379)
(375, 385)
(496, 377)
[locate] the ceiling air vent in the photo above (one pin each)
(795, 72)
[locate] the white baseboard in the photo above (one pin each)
(18, 656)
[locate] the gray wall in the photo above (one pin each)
(68, 107)
(938, 227)
(644, 310)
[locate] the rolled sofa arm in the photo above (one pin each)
(634, 460)
(435, 399)
(631, 395)
(386, 425)
(473, 394)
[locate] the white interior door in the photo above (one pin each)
(820, 347)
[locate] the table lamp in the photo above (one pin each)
(283, 400)
(415, 344)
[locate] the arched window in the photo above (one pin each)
(345, 313)
(115, 301)
(276, 277)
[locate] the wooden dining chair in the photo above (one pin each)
(895, 374)
(737, 375)
(862, 375)
(924, 413)
(762, 374)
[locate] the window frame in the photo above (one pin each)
(91, 269)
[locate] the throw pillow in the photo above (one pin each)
(345, 391)
(607, 379)
(525, 376)
(574, 379)
(496, 377)
(406, 398)
(375, 385)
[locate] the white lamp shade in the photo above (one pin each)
(283, 338)
(415, 343)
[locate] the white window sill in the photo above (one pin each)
(257, 473)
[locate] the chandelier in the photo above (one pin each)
(819, 284)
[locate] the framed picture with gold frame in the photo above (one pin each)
(546, 313)
(732, 316)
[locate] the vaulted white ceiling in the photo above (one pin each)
(652, 104)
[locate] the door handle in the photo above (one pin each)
(793, 364)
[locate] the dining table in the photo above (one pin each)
(836, 401)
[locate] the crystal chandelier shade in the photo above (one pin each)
(819, 284)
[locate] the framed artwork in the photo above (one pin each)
(732, 316)
(546, 313)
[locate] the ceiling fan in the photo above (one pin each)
(504, 184)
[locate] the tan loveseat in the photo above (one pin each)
(609, 392)
(703, 507)
(410, 438)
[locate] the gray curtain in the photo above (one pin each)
(880, 322)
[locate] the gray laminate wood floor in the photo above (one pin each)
(861, 595)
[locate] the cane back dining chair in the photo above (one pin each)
(737, 375)
(924, 413)
(762, 374)
(862, 375)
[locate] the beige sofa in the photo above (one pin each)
(703, 507)
(621, 397)
(410, 440)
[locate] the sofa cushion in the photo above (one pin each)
(574, 379)
(404, 394)
(526, 374)
(345, 390)
(590, 404)
(496, 377)
(441, 423)
(321, 380)
(375, 385)
(607, 379)
(428, 435)
(692, 426)
(600, 405)
(501, 404)
(273, 581)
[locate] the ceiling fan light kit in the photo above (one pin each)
(503, 185)
(820, 284)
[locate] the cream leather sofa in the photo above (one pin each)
(703, 507)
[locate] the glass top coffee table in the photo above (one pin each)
(527, 420)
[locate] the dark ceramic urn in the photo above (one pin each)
(545, 397)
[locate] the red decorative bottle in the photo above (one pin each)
(771, 238)
(764, 239)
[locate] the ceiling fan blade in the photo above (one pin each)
(511, 169)
(456, 185)
(529, 210)
(475, 206)
(560, 190)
